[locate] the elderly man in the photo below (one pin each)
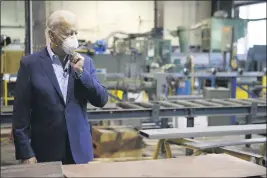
(53, 87)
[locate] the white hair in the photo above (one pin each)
(56, 19)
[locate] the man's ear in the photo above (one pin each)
(51, 35)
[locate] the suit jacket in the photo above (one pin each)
(41, 118)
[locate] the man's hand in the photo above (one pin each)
(32, 160)
(77, 63)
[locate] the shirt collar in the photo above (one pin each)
(52, 55)
(50, 52)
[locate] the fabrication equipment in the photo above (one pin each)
(166, 81)
(218, 41)
(159, 85)
(137, 52)
(217, 35)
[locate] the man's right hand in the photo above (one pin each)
(32, 160)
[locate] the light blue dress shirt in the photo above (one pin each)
(62, 74)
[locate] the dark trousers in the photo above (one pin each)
(67, 158)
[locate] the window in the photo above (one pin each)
(256, 30)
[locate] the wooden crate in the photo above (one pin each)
(121, 154)
(11, 61)
(114, 142)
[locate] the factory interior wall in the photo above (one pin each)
(99, 18)
(13, 14)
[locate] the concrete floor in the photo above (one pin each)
(8, 151)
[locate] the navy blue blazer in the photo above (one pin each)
(41, 118)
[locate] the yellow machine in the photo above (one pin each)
(241, 94)
(264, 85)
(117, 93)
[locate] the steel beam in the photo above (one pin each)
(212, 131)
(216, 144)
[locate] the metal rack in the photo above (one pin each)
(155, 110)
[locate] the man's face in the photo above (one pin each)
(63, 30)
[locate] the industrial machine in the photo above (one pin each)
(217, 35)
(162, 84)
(212, 38)
(256, 58)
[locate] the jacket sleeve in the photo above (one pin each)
(21, 114)
(96, 92)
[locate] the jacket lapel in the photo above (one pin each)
(47, 65)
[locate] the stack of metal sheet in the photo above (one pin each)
(220, 93)
(51, 169)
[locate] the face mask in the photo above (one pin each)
(70, 44)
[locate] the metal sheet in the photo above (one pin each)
(216, 144)
(212, 131)
(52, 169)
(212, 165)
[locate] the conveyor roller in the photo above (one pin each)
(174, 108)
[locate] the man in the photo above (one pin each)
(53, 87)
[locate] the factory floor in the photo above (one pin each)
(8, 156)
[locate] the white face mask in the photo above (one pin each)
(70, 44)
